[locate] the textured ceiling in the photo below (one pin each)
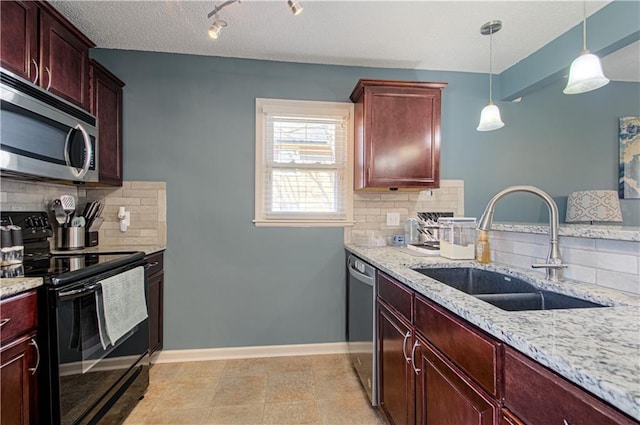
(436, 35)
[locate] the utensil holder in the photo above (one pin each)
(70, 238)
(90, 238)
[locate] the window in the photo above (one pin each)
(304, 172)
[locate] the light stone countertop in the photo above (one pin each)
(598, 349)
(15, 285)
(620, 233)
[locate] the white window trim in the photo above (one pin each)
(310, 107)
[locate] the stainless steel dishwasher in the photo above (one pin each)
(362, 325)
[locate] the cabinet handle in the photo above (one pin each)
(4, 321)
(48, 72)
(35, 368)
(564, 422)
(404, 347)
(413, 358)
(35, 64)
(155, 263)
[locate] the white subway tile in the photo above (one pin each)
(580, 273)
(579, 243)
(364, 196)
(530, 249)
(148, 185)
(140, 193)
(366, 211)
(617, 262)
(380, 204)
(394, 197)
(621, 247)
(374, 219)
(502, 245)
(620, 281)
(579, 257)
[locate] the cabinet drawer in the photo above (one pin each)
(156, 263)
(538, 396)
(396, 295)
(474, 353)
(19, 315)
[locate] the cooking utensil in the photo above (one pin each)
(68, 203)
(58, 211)
(78, 222)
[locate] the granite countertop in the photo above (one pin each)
(15, 285)
(597, 349)
(595, 231)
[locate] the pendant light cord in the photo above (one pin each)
(491, 67)
(584, 26)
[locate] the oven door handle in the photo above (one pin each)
(76, 293)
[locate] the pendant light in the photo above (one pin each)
(490, 115)
(585, 73)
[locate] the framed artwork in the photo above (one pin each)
(629, 171)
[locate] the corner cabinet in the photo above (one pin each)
(19, 360)
(106, 105)
(155, 300)
(397, 134)
(40, 45)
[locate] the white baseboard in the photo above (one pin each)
(194, 355)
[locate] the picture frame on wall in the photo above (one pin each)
(629, 171)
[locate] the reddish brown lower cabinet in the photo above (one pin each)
(155, 300)
(19, 360)
(396, 375)
(444, 395)
(509, 418)
(538, 396)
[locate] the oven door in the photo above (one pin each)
(84, 370)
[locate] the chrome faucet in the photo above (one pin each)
(553, 265)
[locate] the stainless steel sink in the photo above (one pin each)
(503, 291)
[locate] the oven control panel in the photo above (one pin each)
(35, 225)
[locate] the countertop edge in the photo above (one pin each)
(15, 285)
(619, 233)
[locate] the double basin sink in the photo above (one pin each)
(503, 291)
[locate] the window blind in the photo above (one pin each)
(305, 162)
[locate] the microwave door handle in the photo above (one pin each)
(88, 150)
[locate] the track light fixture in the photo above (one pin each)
(295, 7)
(218, 24)
(490, 116)
(585, 73)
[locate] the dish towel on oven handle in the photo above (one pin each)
(124, 303)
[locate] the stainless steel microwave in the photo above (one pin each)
(43, 136)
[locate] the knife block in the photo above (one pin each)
(90, 239)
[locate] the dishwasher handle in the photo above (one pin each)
(356, 274)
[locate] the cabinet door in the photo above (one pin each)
(155, 299)
(17, 383)
(19, 37)
(64, 61)
(106, 104)
(396, 375)
(445, 396)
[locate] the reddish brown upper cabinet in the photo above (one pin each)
(397, 134)
(19, 360)
(19, 38)
(106, 104)
(40, 45)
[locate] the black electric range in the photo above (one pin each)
(84, 377)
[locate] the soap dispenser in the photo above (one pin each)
(483, 250)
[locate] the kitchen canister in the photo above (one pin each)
(69, 238)
(411, 233)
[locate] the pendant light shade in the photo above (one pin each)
(490, 116)
(585, 73)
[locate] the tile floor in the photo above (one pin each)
(276, 391)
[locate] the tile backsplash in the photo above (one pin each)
(370, 208)
(610, 263)
(145, 200)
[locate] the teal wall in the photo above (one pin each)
(189, 121)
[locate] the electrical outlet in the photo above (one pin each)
(393, 219)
